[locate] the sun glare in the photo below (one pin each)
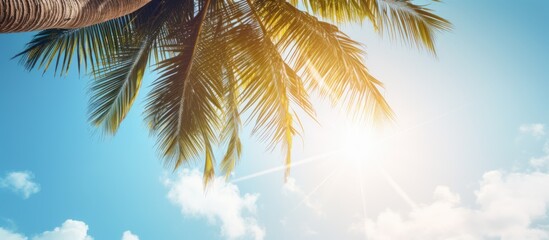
(360, 142)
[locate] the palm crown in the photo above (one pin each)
(218, 59)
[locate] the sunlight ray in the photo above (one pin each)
(362, 194)
(307, 197)
(398, 189)
(282, 168)
(321, 156)
(319, 79)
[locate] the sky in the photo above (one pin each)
(467, 157)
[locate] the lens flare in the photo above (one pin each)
(360, 142)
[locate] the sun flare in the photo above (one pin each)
(360, 142)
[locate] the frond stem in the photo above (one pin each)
(188, 68)
(257, 18)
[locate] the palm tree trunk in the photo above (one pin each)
(30, 15)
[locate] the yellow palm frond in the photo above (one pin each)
(401, 19)
(340, 11)
(330, 62)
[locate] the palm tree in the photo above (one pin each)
(218, 60)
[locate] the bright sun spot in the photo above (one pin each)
(360, 142)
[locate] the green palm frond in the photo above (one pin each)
(184, 103)
(93, 45)
(219, 60)
(232, 124)
(413, 23)
(116, 85)
(231, 116)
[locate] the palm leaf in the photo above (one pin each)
(183, 104)
(271, 88)
(116, 85)
(94, 46)
(340, 11)
(231, 128)
(228, 35)
(402, 19)
(219, 60)
(413, 23)
(330, 62)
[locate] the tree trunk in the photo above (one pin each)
(30, 15)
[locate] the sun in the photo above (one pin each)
(360, 142)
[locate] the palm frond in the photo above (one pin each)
(413, 23)
(183, 106)
(219, 60)
(116, 85)
(231, 129)
(209, 161)
(340, 11)
(401, 19)
(328, 60)
(271, 88)
(94, 46)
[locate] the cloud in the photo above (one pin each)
(509, 206)
(291, 187)
(69, 230)
(8, 235)
(127, 235)
(541, 162)
(222, 202)
(534, 129)
(21, 183)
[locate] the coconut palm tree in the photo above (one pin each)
(220, 60)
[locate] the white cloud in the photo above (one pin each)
(20, 182)
(8, 235)
(127, 235)
(291, 187)
(543, 161)
(69, 230)
(509, 206)
(222, 202)
(534, 129)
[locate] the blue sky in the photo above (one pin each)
(470, 123)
